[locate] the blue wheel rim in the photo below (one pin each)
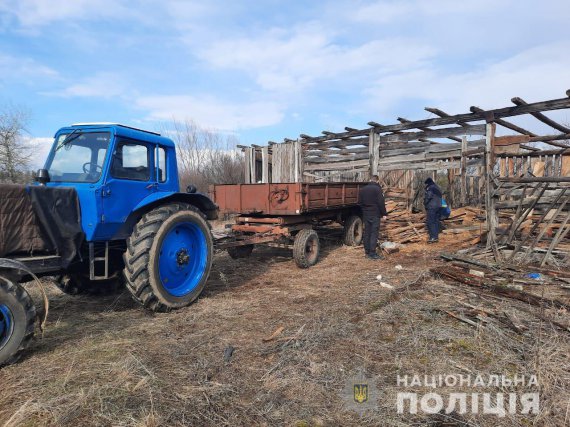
(6, 324)
(183, 259)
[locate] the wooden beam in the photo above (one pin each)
(542, 117)
(550, 105)
(348, 129)
(504, 123)
(402, 120)
(536, 179)
(435, 133)
(511, 140)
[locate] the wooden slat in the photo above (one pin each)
(436, 133)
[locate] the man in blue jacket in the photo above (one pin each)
(432, 203)
(371, 201)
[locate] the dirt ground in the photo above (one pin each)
(106, 361)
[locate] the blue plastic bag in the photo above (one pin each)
(445, 210)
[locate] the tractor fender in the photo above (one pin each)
(201, 201)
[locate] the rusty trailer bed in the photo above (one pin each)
(278, 199)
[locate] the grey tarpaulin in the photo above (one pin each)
(38, 220)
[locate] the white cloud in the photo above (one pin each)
(533, 74)
(211, 112)
(39, 13)
(381, 12)
(101, 85)
(40, 147)
(12, 67)
(292, 60)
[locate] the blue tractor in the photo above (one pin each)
(106, 210)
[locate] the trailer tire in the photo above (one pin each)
(353, 230)
(236, 252)
(306, 248)
(17, 321)
(161, 272)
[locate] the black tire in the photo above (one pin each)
(22, 315)
(143, 251)
(237, 252)
(77, 284)
(353, 231)
(306, 248)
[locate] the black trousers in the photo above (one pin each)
(371, 227)
(432, 219)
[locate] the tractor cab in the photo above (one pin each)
(115, 169)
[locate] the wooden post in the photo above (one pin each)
(247, 155)
(298, 153)
(373, 151)
(463, 171)
(265, 165)
(491, 212)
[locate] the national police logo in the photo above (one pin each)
(360, 393)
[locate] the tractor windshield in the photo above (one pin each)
(78, 157)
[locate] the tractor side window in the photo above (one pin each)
(161, 163)
(131, 161)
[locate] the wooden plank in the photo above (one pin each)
(265, 165)
(565, 168)
(436, 133)
(511, 140)
(333, 159)
(337, 166)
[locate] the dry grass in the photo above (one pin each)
(104, 361)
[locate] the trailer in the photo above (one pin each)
(286, 215)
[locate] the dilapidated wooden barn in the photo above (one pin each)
(481, 158)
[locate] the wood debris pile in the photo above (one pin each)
(402, 226)
(540, 287)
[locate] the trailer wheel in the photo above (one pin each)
(237, 252)
(353, 231)
(306, 248)
(17, 321)
(169, 257)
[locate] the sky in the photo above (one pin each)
(269, 70)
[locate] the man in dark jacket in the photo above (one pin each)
(432, 203)
(371, 201)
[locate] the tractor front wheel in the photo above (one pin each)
(169, 257)
(17, 320)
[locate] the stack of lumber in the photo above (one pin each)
(402, 226)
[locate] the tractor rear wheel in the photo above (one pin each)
(353, 231)
(169, 257)
(17, 320)
(306, 248)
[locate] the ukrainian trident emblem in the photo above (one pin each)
(360, 393)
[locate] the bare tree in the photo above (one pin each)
(205, 157)
(15, 154)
